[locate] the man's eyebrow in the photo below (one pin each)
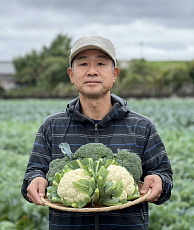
(103, 56)
(81, 57)
(85, 57)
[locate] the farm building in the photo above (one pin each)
(7, 71)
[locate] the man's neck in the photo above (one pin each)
(95, 108)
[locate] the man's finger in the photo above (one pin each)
(154, 183)
(42, 188)
(36, 189)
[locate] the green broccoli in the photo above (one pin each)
(131, 161)
(91, 150)
(94, 151)
(56, 166)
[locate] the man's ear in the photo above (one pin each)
(116, 73)
(70, 73)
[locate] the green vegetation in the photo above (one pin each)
(155, 79)
(20, 120)
(95, 151)
(47, 67)
(54, 167)
(43, 74)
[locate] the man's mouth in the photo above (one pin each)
(92, 82)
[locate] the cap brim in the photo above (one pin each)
(88, 47)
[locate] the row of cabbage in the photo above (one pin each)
(176, 113)
(20, 120)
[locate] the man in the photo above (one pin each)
(98, 116)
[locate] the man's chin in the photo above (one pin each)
(93, 95)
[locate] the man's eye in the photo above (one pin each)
(83, 64)
(100, 64)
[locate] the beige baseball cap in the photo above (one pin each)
(93, 42)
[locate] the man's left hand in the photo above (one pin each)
(153, 182)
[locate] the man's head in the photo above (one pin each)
(93, 42)
(93, 70)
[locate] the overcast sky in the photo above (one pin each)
(152, 29)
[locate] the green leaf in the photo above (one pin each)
(92, 182)
(65, 148)
(110, 162)
(135, 195)
(100, 186)
(103, 172)
(111, 202)
(113, 189)
(4, 225)
(109, 189)
(83, 185)
(57, 178)
(73, 165)
(52, 194)
(95, 196)
(79, 204)
(118, 188)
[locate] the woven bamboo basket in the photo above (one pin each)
(95, 208)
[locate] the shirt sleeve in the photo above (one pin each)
(39, 160)
(156, 162)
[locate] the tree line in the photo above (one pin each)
(156, 79)
(44, 74)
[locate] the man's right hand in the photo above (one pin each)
(36, 189)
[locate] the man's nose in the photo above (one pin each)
(92, 71)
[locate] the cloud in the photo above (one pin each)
(158, 29)
(174, 13)
(138, 39)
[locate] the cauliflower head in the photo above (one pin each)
(73, 186)
(117, 173)
(116, 185)
(67, 189)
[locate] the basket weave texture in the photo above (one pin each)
(95, 208)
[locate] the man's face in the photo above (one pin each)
(93, 73)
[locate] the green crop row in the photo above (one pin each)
(20, 120)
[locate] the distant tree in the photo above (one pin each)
(141, 77)
(60, 47)
(175, 78)
(47, 67)
(191, 70)
(27, 68)
(140, 66)
(53, 71)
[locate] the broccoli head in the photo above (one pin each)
(56, 166)
(94, 151)
(131, 161)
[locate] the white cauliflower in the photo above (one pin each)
(116, 173)
(84, 181)
(69, 192)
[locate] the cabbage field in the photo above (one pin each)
(19, 122)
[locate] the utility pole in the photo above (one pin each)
(141, 50)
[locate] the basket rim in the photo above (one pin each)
(62, 207)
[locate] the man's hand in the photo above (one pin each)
(154, 183)
(36, 189)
